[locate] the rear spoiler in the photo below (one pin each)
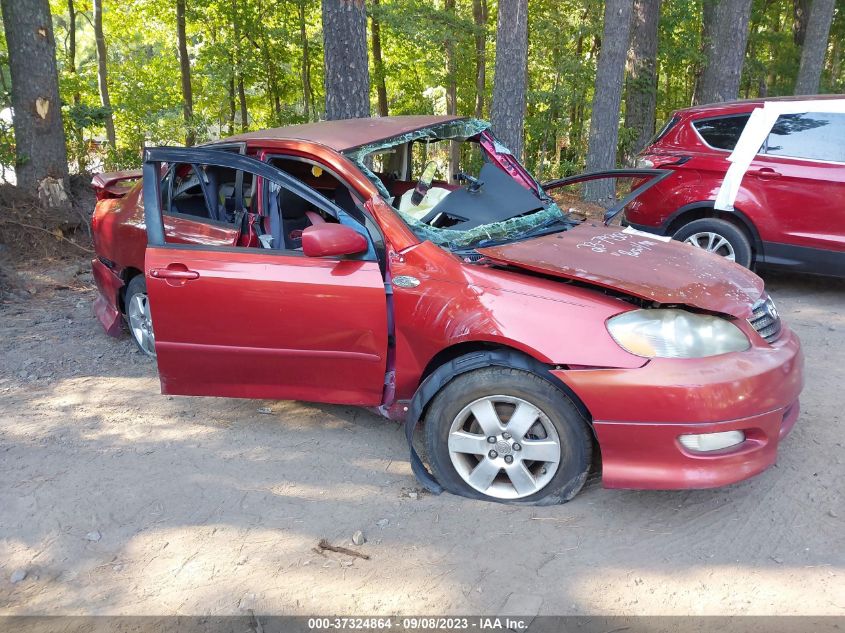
(114, 184)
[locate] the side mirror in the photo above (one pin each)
(325, 239)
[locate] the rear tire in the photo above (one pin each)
(503, 434)
(719, 237)
(138, 316)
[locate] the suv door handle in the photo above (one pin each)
(766, 173)
(174, 273)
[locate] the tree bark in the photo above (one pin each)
(77, 98)
(347, 74)
(641, 86)
(708, 18)
(725, 52)
(451, 88)
(815, 47)
(479, 16)
(511, 74)
(231, 99)
(102, 71)
(239, 73)
(41, 156)
(800, 17)
(305, 69)
(378, 64)
(185, 70)
(610, 75)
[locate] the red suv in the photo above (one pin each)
(789, 210)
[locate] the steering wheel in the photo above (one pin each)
(424, 183)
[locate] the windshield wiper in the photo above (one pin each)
(548, 226)
(542, 228)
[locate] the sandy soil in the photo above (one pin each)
(115, 499)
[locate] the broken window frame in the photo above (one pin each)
(463, 130)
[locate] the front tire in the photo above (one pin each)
(719, 237)
(138, 316)
(504, 434)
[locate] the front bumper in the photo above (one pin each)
(638, 414)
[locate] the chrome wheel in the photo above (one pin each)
(504, 447)
(714, 243)
(141, 323)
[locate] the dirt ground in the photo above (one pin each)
(117, 500)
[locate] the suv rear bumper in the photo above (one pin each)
(656, 230)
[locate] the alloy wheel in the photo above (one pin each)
(714, 243)
(141, 323)
(504, 447)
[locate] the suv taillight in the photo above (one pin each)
(657, 161)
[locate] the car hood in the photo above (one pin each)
(639, 264)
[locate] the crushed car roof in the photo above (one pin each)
(345, 134)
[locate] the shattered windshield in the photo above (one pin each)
(455, 185)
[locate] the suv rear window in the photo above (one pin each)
(665, 129)
(722, 132)
(813, 135)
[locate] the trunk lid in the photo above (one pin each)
(640, 264)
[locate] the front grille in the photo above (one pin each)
(766, 319)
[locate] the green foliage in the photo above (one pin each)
(267, 56)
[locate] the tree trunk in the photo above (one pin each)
(102, 71)
(41, 156)
(305, 69)
(610, 75)
(641, 87)
(77, 98)
(708, 18)
(347, 75)
(725, 52)
(479, 16)
(378, 64)
(815, 47)
(511, 74)
(242, 102)
(239, 73)
(800, 18)
(185, 70)
(232, 103)
(451, 87)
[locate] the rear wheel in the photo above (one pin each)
(138, 315)
(507, 435)
(719, 237)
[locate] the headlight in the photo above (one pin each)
(675, 334)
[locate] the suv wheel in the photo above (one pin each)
(719, 237)
(507, 435)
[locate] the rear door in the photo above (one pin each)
(262, 322)
(800, 172)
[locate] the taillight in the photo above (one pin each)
(658, 161)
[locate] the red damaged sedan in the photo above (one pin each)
(413, 266)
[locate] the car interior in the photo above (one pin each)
(187, 190)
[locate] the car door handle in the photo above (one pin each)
(766, 173)
(174, 273)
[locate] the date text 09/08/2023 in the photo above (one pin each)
(420, 623)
